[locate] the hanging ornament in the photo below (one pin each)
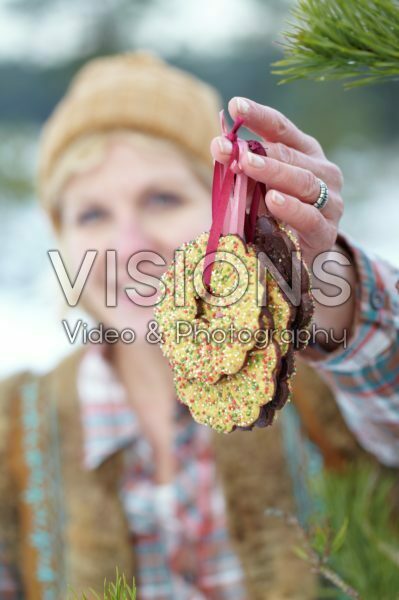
(229, 326)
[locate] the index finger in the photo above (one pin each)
(273, 126)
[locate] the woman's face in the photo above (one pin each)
(134, 201)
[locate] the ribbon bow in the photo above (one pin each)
(229, 196)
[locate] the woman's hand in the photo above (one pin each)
(294, 162)
(291, 170)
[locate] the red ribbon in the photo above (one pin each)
(229, 196)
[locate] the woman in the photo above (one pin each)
(103, 467)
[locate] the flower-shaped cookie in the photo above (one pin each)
(208, 333)
(235, 400)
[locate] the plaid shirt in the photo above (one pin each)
(365, 377)
(365, 374)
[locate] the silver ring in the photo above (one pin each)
(323, 197)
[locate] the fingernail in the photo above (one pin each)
(225, 146)
(278, 199)
(242, 106)
(255, 160)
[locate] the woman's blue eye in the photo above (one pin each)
(164, 199)
(91, 215)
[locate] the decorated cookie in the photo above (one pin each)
(229, 327)
(282, 393)
(279, 244)
(235, 400)
(239, 384)
(208, 333)
(250, 397)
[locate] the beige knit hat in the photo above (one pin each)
(135, 90)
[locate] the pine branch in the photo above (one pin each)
(317, 559)
(120, 590)
(353, 540)
(355, 40)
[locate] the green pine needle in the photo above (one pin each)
(355, 40)
(120, 590)
(352, 541)
(364, 546)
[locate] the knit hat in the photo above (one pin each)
(134, 90)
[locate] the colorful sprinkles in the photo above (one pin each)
(231, 383)
(210, 335)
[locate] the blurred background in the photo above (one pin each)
(231, 44)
